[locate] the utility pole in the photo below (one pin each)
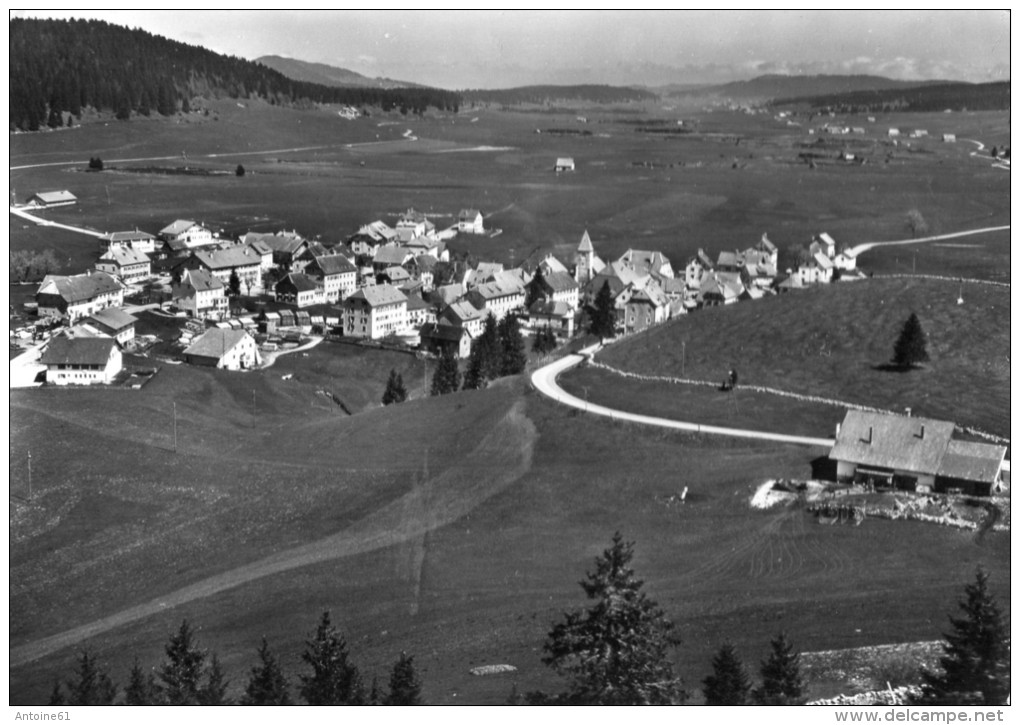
(175, 426)
(683, 359)
(30, 475)
(253, 407)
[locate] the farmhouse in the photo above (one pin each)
(336, 274)
(200, 294)
(556, 287)
(190, 233)
(645, 308)
(221, 263)
(463, 314)
(555, 316)
(139, 241)
(437, 336)
(285, 246)
(300, 290)
(49, 199)
(413, 224)
(375, 312)
(419, 311)
(915, 454)
(646, 262)
(126, 263)
(550, 264)
(226, 349)
(81, 360)
(469, 221)
(497, 299)
(697, 267)
(564, 163)
(390, 255)
(115, 323)
(78, 295)
(720, 288)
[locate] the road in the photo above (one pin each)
(861, 248)
(20, 211)
(544, 380)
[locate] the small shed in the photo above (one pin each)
(564, 163)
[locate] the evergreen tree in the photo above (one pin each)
(911, 347)
(214, 692)
(334, 679)
(375, 695)
(617, 652)
(446, 378)
(544, 342)
(489, 350)
(728, 684)
(603, 313)
(975, 666)
(92, 685)
(535, 290)
(780, 673)
(395, 391)
(142, 689)
(234, 284)
(181, 674)
(405, 685)
(514, 358)
(474, 379)
(239, 171)
(267, 685)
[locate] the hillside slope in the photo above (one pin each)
(775, 86)
(327, 75)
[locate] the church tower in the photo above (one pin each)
(584, 260)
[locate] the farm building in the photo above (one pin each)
(915, 454)
(697, 267)
(413, 224)
(78, 295)
(226, 349)
(49, 199)
(191, 234)
(139, 241)
(645, 308)
(124, 262)
(221, 263)
(469, 221)
(337, 275)
(893, 132)
(949, 138)
(300, 290)
(436, 336)
(564, 163)
(464, 314)
(81, 360)
(114, 322)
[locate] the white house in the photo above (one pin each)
(469, 221)
(114, 323)
(81, 360)
(241, 260)
(375, 312)
(300, 290)
(225, 349)
(139, 241)
(200, 294)
(497, 299)
(190, 233)
(697, 267)
(78, 295)
(336, 274)
(124, 262)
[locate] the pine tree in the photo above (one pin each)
(142, 689)
(181, 674)
(975, 666)
(395, 391)
(544, 342)
(514, 358)
(267, 685)
(405, 685)
(214, 692)
(728, 684)
(474, 379)
(617, 652)
(92, 685)
(234, 284)
(911, 347)
(489, 350)
(603, 313)
(446, 378)
(334, 679)
(239, 171)
(780, 673)
(535, 290)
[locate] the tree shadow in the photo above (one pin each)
(823, 468)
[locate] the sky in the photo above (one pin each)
(461, 49)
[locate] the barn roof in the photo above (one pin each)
(972, 461)
(380, 294)
(892, 441)
(79, 287)
(55, 197)
(215, 342)
(78, 351)
(331, 264)
(113, 318)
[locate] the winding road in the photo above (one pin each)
(861, 248)
(544, 380)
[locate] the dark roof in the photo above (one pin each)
(297, 282)
(548, 308)
(390, 255)
(80, 287)
(415, 302)
(892, 441)
(200, 280)
(972, 461)
(331, 264)
(113, 318)
(78, 351)
(435, 331)
(560, 282)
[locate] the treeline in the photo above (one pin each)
(552, 94)
(189, 675)
(29, 266)
(955, 96)
(67, 66)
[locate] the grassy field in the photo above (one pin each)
(487, 561)
(831, 341)
(704, 190)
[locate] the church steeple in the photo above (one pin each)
(584, 260)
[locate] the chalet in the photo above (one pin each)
(81, 360)
(190, 233)
(729, 262)
(556, 287)
(564, 163)
(423, 268)
(913, 453)
(299, 290)
(311, 250)
(48, 199)
(646, 262)
(497, 299)
(766, 247)
(225, 349)
(390, 255)
(126, 263)
(823, 243)
(555, 316)
(222, 263)
(845, 260)
(139, 241)
(78, 295)
(587, 264)
(394, 275)
(336, 274)
(285, 246)
(438, 336)
(413, 224)
(697, 267)
(375, 312)
(720, 288)
(469, 221)
(646, 307)
(463, 314)
(200, 294)
(114, 323)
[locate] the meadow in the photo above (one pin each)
(456, 528)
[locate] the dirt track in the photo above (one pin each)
(504, 455)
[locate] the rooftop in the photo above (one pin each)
(78, 351)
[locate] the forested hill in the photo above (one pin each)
(327, 75)
(554, 94)
(954, 96)
(68, 66)
(775, 86)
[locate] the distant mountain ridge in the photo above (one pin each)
(778, 87)
(328, 75)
